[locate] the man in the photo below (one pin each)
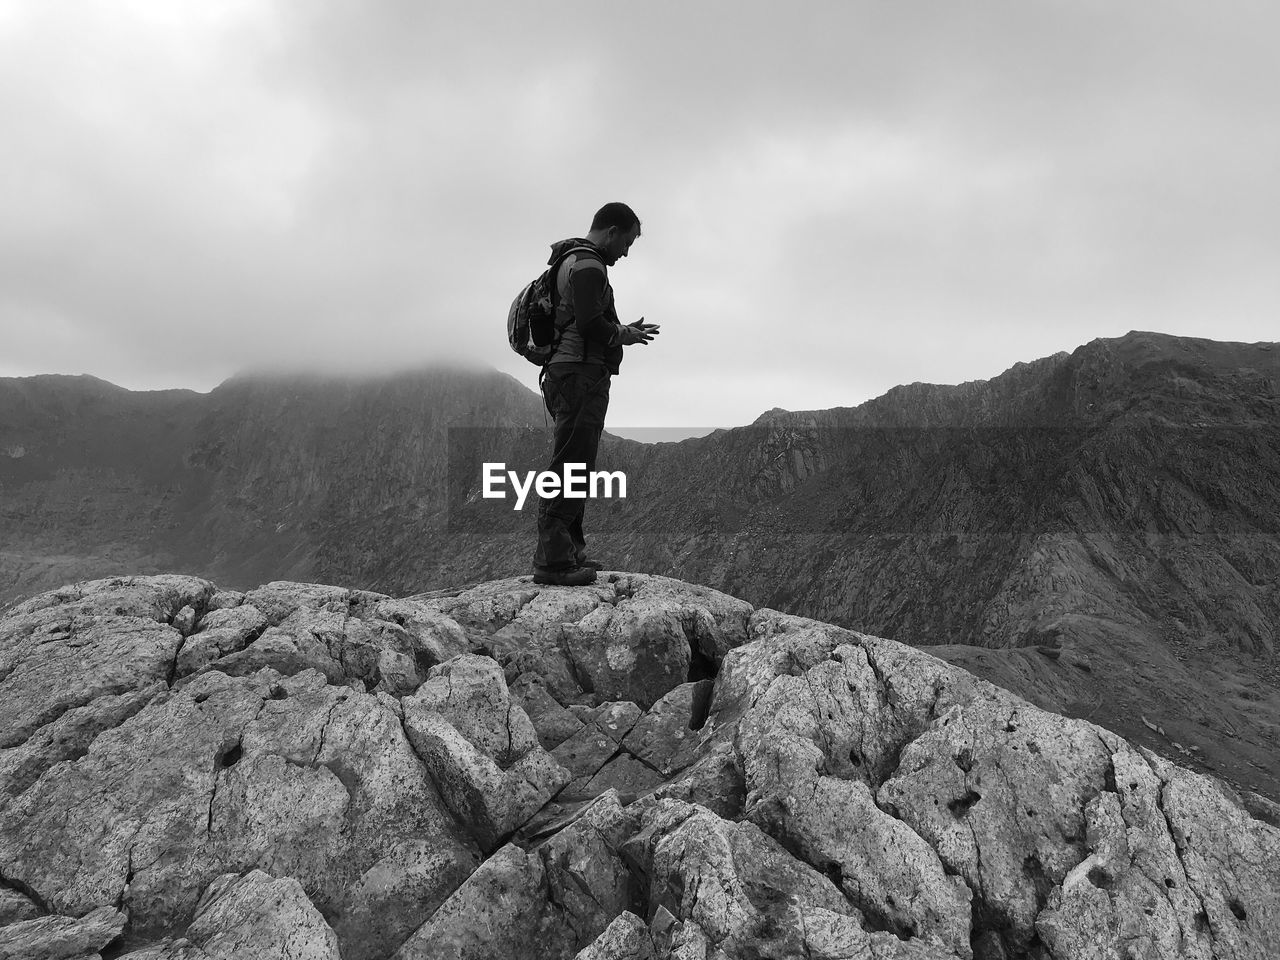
(575, 381)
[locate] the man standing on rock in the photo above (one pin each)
(575, 381)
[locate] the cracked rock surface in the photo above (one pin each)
(638, 769)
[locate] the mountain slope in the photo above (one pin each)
(1094, 530)
(257, 478)
(1106, 519)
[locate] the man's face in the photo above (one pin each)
(620, 241)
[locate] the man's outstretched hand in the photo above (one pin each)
(639, 332)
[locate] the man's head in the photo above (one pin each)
(613, 229)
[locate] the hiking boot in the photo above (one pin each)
(568, 577)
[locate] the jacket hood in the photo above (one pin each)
(560, 247)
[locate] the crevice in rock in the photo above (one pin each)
(465, 827)
(893, 763)
(882, 681)
(580, 676)
(874, 918)
(910, 730)
(129, 874)
(823, 743)
(700, 708)
(548, 891)
(701, 666)
(324, 730)
(231, 757)
(423, 661)
(23, 888)
(172, 673)
(980, 893)
(54, 632)
(213, 797)
(1178, 851)
(1109, 774)
(254, 635)
(960, 806)
(525, 600)
(507, 751)
(639, 759)
(834, 873)
(988, 943)
(6, 743)
(22, 781)
(1040, 880)
(227, 757)
(199, 607)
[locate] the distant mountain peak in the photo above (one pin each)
(773, 414)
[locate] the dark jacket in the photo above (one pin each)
(585, 316)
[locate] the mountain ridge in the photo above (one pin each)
(1094, 530)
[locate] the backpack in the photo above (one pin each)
(531, 322)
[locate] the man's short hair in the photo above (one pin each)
(615, 215)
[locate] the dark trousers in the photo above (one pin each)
(577, 395)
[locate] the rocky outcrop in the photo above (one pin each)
(638, 769)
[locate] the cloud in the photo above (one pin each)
(837, 197)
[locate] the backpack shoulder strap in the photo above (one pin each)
(554, 274)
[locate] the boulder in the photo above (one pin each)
(662, 737)
(597, 741)
(626, 938)
(480, 748)
(740, 894)
(554, 723)
(256, 917)
(59, 937)
(222, 631)
(549, 902)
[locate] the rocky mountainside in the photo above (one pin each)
(639, 769)
(262, 477)
(1095, 531)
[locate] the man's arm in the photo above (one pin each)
(587, 287)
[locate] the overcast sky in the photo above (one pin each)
(836, 197)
